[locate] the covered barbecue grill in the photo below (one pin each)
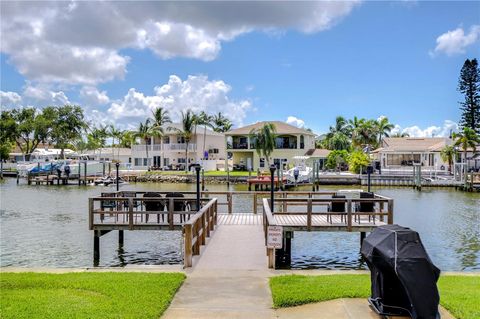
(404, 279)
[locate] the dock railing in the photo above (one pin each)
(197, 229)
(315, 214)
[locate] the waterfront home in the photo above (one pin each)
(403, 152)
(317, 155)
(118, 154)
(168, 151)
(291, 141)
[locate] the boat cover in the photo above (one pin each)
(402, 274)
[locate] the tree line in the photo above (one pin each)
(66, 127)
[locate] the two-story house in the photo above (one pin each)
(168, 151)
(290, 141)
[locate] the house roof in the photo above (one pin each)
(318, 152)
(280, 127)
(413, 144)
(179, 126)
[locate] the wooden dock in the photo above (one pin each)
(293, 211)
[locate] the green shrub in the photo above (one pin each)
(356, 160)
(336, 158)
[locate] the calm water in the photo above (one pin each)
(47, 226)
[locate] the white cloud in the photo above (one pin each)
(431, 131)
(92, 97)
(197, 93)
(292, 120)
(456, 41)
(10, 99)
(80, 42)
(41, 95)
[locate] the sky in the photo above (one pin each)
(300, 62)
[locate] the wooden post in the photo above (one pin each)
(120, 238)
(229, 199)
(90, 213)
(188, 246)
(349, 215)
(362, 237)
(202, 236)
(85, 176)
(271, 257)
(255, 203)
(309, 214)
(284, 204)
(130, 213)
(170, 213)
(390, 211)
(381, 211)
(96, 248)
(79, 175)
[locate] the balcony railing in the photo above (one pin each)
(166, 147)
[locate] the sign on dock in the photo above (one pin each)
(275, 237)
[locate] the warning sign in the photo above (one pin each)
(275, 237)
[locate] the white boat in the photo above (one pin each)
(305, 173)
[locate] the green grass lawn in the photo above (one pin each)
(87, 295)
(459, 294)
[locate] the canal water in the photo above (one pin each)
(47, 226)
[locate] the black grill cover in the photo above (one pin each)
(402, 274)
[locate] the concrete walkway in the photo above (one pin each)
(230, 280)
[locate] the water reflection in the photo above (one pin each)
(48, 226)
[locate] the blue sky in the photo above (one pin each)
(397, 59)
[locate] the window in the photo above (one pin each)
(302, 142)
(166, 140)
(181, 160)
(180, 140)
(403, 159)
(262, 162)
(138, 161)
(145, 162)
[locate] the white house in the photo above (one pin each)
(290, 142)
(168, 151)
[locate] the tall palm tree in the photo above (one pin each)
(205, 120)
(187, 131)
(220, 123)
(366, 133)
(338, 136)
(467, 138)
(115, 134)
(448, 153)
(160, 118)
(96, 139)
(264, 140)
(384, 127)
(145, 131)
(127, 139)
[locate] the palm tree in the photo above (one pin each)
(160, 118)
(220, 123)
(366, 133)
(448, 153)
(145, 131)
(127, 139)
(384, 128)
(205, 120)
(264, 140)
(338, 136)
(115, 134)
(96, 139)
(187, 131)
(467, 138)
